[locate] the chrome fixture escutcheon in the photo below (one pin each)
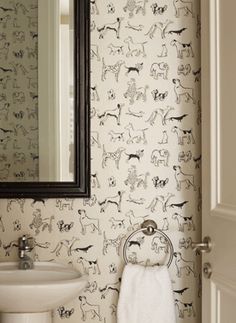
(207, 270)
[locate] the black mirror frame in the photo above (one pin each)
(80, 187)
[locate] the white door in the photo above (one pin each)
(219, 157)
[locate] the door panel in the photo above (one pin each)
(219, 157)
(227, 112)
(223, 300)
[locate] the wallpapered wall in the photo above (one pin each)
(18, 90)
(146, 160)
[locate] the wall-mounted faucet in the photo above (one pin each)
(25, 246)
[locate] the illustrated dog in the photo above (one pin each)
(183, 265)
(115, 26)
(4, 81)
(138, 242)
(136, 180)
(182, 48)
(91, 287)
(89, 265)
(114, 69)
(87, 308)
(115, 243)
(160, 156)
(159, 96)
(137, 68)
(185, 243)
(158, 10)
(181, 91)
(94, 7)
(86, 221)
(135, 93)
(184, 308)
(183, 134)
(18, 97)
(163, 199)
(4, 20)
(90, 201)
(19, 158)
(110, 287)
(134, 221)
(113, 200)
(117, 223)
(184, 221)
(136, 135)
(137, 155)
(20, 202)
(39, 223)
(64, 227)
(184, 69)
(115, 50)
(135, 49)
(66, 203)
(112, 113)
(157, 182)
(182, 5)
(185, 156)
(159, 244)
(8, 247)
(115, 156)
(158, 70)
(181, 178)
(19, 36)
(4, 51)
(67, 244)
(135, 6)
(116, 136)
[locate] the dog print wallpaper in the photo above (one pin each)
(146, 157)
(18, 90)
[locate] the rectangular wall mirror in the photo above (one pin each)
(44, 98)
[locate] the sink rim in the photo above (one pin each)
(41, 267)
(37, 263)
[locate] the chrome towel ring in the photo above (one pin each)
(149, 228)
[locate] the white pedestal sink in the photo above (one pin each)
(29, 296)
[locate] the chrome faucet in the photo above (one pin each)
(25, 246)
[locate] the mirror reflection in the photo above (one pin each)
(36, 91)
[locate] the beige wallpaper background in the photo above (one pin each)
(146, 160)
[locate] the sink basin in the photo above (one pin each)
(41, 289)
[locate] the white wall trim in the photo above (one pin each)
(214, 104)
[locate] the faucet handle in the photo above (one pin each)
(26, 243)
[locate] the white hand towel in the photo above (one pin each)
(146, 295)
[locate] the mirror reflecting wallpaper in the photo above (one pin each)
(36, 91)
